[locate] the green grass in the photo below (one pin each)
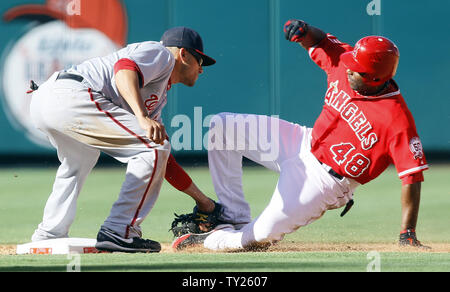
(234, 262)
(375, 218)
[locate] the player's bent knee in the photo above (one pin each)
(273, 226)
(154, 156)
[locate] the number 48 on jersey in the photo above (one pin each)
(355, 165)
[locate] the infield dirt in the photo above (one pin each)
(300, 247)
(327, 247)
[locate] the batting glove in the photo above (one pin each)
(295, 30)
(408, 238)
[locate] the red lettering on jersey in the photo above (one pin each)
(151, 102)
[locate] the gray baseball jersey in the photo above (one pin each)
(151, 60)
(82, 119)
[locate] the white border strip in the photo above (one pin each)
(412, 170)
(311, 49)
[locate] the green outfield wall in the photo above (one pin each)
(257, 70)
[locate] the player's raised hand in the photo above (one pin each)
(295, 30)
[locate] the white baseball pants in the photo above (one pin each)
(80, 124)
(305, 190)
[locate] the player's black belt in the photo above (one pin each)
(333, 173)
(61, 75)
(351, 202)
(65, 75)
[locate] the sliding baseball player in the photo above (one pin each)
(364, 126)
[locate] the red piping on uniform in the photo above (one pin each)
(117, 122)
(155, 165)
(145, 143)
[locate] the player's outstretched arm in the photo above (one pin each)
(180, 180)
(203, 202)
(300, 32)
(410, 212)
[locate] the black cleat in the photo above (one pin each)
(110, 241)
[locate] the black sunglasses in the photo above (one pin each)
(196, 55)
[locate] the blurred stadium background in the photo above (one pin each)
(257, 71)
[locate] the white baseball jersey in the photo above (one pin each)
(151, 60)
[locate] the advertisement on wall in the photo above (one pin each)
(59, 33)
(257, 70)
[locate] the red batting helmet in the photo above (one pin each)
(374, 55)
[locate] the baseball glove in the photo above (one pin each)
(197, 221)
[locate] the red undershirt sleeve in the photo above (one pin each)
(127, 64)
(176, 175)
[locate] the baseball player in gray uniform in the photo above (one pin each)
(113, 104)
